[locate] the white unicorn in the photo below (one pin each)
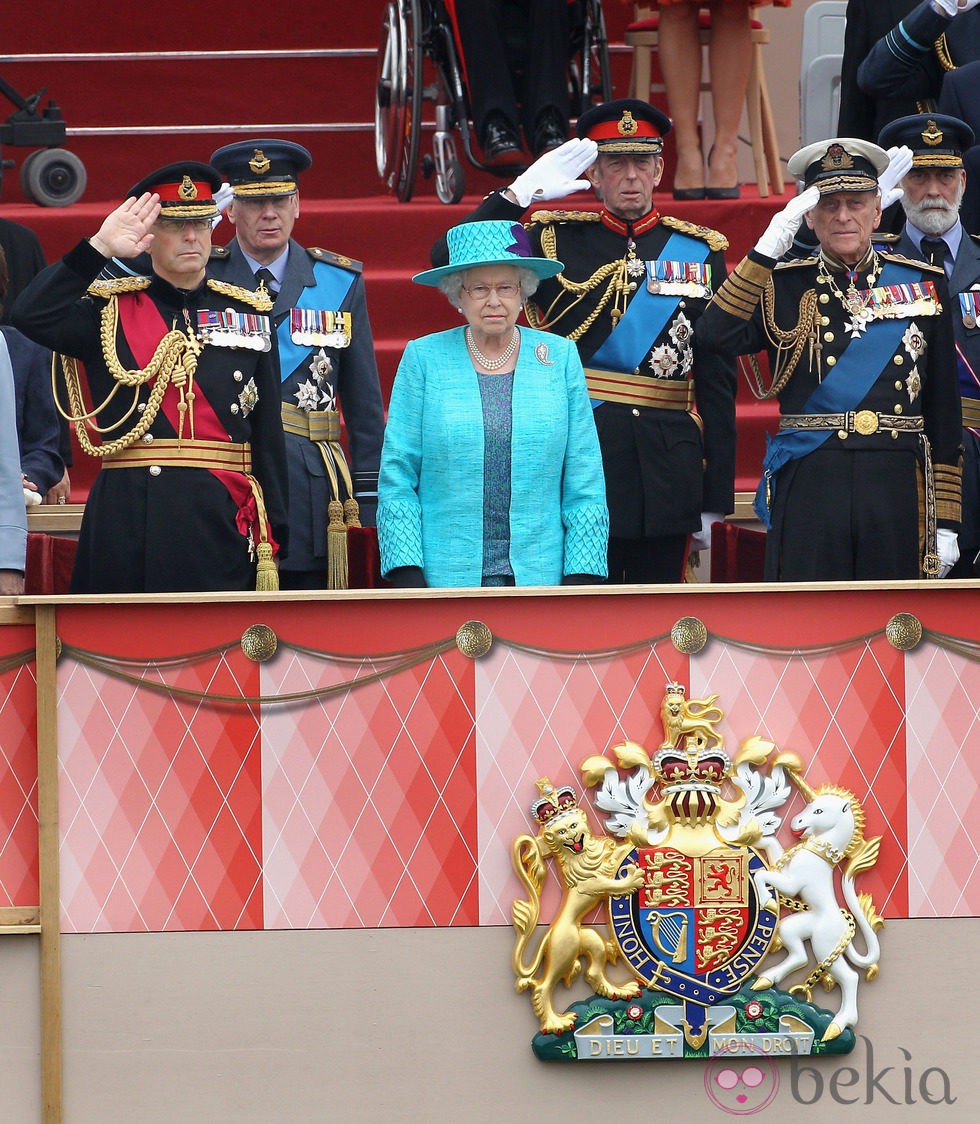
(832, 827)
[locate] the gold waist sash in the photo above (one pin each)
(640, 390)
(315, 425)
(168, 452)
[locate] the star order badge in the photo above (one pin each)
(700, 897)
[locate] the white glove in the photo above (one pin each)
(952, 7)
(783, 226)
(889, 182)
(222, 197)
(947, 546)
(701, 540)
(555, 174)
(31, 499)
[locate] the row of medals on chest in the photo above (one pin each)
(252, 331)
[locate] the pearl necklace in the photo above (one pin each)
(502, 359)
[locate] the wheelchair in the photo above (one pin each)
(419, 62)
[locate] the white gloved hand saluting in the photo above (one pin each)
(555, 174)
(783, 226)
(953, 8)
(899, 165)
(948, 549)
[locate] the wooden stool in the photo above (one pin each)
(643, 35)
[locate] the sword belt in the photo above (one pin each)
(863, 422)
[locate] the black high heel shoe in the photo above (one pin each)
(721, 192)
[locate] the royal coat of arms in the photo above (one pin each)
(700, 897)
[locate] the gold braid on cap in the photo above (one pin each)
(174, 360)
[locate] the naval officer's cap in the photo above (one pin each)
(840, 164)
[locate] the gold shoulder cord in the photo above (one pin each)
(618, 284)
(174, 360)
(802, 333)
(942, 53)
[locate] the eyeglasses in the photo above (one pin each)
(179, 225)
(506, 290)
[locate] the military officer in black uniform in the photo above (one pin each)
(934, 188)
(326, 353)
(184, 383)
(633, 287)
(863, 478)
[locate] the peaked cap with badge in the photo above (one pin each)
(186, 190)
(625, 125)
(936, 140)
(839, 164)
(259, 168)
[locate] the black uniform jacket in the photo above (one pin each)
(663, 467)
(861, 114)
(910, 61)
(348, 382)
(173, 529)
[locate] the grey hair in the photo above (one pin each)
(451, 284)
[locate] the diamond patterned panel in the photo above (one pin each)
(944, 783)
(160, 802)
(539, 716)
(369, 796)
(18, 788)
(842, 713)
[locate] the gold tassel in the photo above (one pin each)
(352, 513)
(336, 547)
(266, 574)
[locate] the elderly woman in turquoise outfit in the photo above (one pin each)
(490, 472)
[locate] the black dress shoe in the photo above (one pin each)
(550, 134)
(501, 142)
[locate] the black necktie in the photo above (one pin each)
(267, 276)
(934, 252)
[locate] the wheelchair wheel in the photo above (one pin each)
(53, 177)
(451, 187)
(398, 98)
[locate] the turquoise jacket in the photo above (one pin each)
(430, 509)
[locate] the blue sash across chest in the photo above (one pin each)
(647, 314)
(844, 388)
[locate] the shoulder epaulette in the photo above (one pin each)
(715, 239)
(542, 218)
(220, 252)
(331, 258)
(885, 239)
(794, 263)
(923, 265)
(261, 302)
(112, 286)
(975, 237)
